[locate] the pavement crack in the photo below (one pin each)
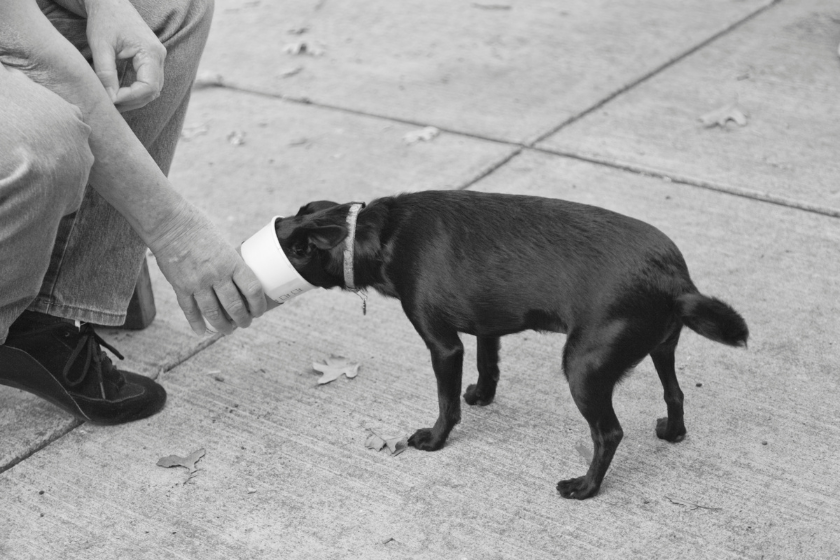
(185, 355)
(699, 183)
(489, 170)
(645, 77)
(41, 445)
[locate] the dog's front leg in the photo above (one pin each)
(447, 360)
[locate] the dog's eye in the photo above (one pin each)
(300, 251)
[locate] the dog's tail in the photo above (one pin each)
(713, 319)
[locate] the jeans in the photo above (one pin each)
(64, 250)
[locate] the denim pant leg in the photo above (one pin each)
(45, 160)
(97, 257)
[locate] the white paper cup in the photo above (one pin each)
(263, 255)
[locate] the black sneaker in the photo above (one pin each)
(63, 363)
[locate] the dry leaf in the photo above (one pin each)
(187, 462)
(334, 367)
(585, 452)
(208, 79)
(190, 132)
(425, 134)
(291, 72)
(719, 117)
(375, 442)
(237, 138)
(491, 6)
(395, 445)
(302, 48)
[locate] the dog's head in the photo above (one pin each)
(312, 241)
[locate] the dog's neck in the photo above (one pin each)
(365, 260)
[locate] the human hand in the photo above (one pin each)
(115, 31)
(210, 279)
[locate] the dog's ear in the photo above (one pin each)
(326, 236)
(317, 206)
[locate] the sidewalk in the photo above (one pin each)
(589, 101)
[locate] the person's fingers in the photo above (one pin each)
(192, 313)
(249, 286)
(105, 66)
(212, 311)
(149, 69)
(233, 304)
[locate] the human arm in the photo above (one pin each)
(210, 280)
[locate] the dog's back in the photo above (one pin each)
(500, 263)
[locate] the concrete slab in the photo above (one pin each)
(781, 68)
(287, 475)
(291, 154)
(510, 70)
(294, 153)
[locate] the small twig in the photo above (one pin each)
(696, 506)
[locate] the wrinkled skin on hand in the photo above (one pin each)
(116, 31)
(210, 279)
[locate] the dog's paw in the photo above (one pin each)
(674, 435)
(473, 397)
(577, 488)
(424, 440)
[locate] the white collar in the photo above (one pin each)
(349, 246)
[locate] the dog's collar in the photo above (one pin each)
(350, 244)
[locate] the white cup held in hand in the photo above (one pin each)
(264, 256)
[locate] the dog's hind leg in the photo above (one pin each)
(447, 360)
(483, 392)
(671, 428)
(594, 364)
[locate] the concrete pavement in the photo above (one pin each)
(592, 102)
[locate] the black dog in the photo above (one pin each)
(494, 264)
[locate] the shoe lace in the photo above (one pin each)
(89, 345)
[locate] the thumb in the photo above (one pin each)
(105, 66)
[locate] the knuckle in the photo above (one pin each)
(237, 309)
(212, 315)
(253, 290)
(191, 313)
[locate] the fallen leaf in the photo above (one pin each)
(237, 138)
(395, 445)
(585, 452)
(291, 72)
(722, 115)
(207, 79)
(425, 134)
(303, 48)
(187, 462)
(375, 442)
(190, 132)
(491, 6)
(334, 367)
